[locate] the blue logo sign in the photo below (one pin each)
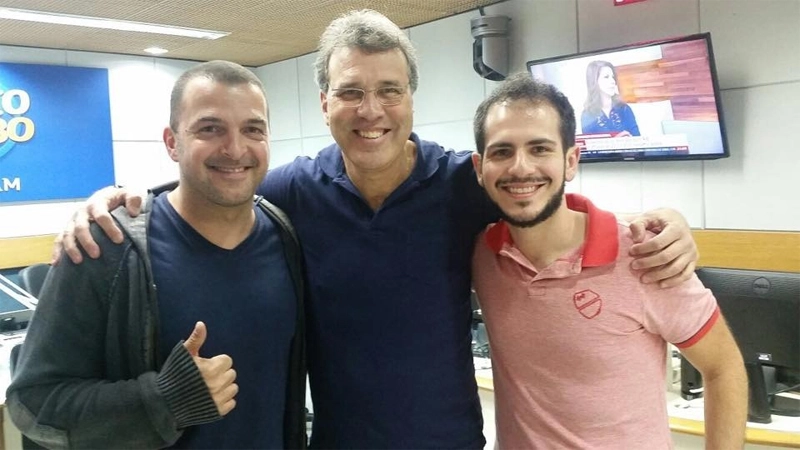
(11, 118)
(55, 132)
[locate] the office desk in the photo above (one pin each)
(686, 420)
(687, 417)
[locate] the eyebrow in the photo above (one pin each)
(256, 122)
(211, 119)
(217, 120)
(355, 84)
(540, 141)
(532, 142)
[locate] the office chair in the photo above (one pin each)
(32, 278)
(480, 341)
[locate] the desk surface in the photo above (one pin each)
(687, 417)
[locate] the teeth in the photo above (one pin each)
(370, 134)
(230, 169)
(524, 190)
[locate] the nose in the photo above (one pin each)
(521, 164)
(235, 146)
(370, 107)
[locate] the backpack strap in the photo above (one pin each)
(295, 417)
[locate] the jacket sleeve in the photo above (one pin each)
(61, 395)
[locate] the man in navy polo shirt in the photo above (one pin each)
(388, 223)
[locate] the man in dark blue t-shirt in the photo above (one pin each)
(100, 367)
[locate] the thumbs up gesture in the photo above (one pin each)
(217, 372)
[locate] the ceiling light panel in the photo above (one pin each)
(108, 24)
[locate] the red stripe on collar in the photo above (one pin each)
(602, 242)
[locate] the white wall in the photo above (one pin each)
(756, 47)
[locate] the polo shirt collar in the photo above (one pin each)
(600, 246)
(330, 160)
(428, 154)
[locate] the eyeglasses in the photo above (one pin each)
(354, 97)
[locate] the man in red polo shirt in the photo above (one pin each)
(578, 342)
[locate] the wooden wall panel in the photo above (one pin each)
(681, 75)
(757, 250)
(24, 251)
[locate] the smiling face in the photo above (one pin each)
(606, 82)
(372, 136)
(222, 142)
(524, 167)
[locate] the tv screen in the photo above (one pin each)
(642, 102)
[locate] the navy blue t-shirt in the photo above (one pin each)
(388, 316)
(246, 298)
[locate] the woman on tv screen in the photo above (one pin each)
(604, 111)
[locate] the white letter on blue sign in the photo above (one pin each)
(15, 184)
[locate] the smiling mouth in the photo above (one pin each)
(522, 190)
(522, 187)
(229, 169)
(372, 134)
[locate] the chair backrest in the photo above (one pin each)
(32, 278)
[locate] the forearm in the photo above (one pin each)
(59, 396)
(725, 409)
(149, 411)
(94, 414)
(78, 386)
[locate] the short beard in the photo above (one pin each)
(549, 209)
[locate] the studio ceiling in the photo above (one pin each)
(261, 31)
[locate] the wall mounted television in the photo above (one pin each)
(643, 102)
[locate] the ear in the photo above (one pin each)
(476, 164)
(571, 159)
(323, 99)
(171, 143)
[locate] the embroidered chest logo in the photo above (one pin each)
(588, 303)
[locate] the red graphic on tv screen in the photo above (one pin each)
(588, 303)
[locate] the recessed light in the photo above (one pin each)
(109, 24)
(156, 50)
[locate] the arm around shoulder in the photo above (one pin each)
(669, 258)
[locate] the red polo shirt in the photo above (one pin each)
(578, 347)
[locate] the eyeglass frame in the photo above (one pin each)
(364, 93)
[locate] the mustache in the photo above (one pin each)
(513, 180)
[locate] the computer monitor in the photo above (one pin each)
(762, 309)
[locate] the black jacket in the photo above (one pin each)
(90, 377)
